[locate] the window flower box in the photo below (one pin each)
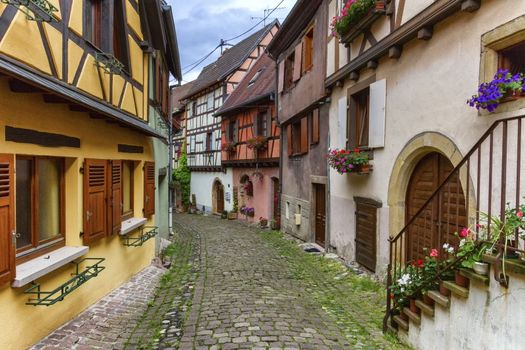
(347, 162)
(229, 147)
(503, 88)
(356, 16)
(258, 143)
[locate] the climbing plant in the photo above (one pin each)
(182, 175)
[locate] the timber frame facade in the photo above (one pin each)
(81, 88)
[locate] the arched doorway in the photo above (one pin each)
(218, 197)
(444, 216)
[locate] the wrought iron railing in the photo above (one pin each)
(487, 180)
(147, 233)
(44, 298)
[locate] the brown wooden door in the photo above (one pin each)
(220, 198)
(320, 214)
(366, 234)
(445, 215)
(7, 219)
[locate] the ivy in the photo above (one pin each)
(182, 175)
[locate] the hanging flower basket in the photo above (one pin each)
(345, 162)
(355, 16)
(504, 87)
(258, 143)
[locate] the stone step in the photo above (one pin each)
(457, 290)
(401, 323)
(471, 275)
(426, 309)
(412, 316)
(439, 298)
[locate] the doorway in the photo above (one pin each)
(320, 214)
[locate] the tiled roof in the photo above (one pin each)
(177, 95)
(258, 83)
(230, 61)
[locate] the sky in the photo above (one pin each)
(201, 24)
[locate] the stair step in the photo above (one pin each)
(439, 298)
(412, 316)
(426, 309)
(454, 288)
(401, 323)
(391, 328)
(471, 275)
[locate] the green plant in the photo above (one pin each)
(182, 175)
(351, 13)
(409, 283)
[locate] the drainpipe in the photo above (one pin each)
(170, 166)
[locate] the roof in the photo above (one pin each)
(177, 94)
(258, 84)
(296, 21)
(230, 61)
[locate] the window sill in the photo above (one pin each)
(131, 224)
(43, 265)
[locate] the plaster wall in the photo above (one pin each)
(426, 93)
(23, 325)
(202, 188)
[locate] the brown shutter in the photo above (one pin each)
(289, 139)
(280, 83)
(95, 197)
(304, 135)
(7, 219)
(149, 189)
(315, 126)
(116, 197)
(298, 62)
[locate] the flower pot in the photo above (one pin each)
(427, 300)
(364, 169)
(444, 291)
(263, 223)
(512, 95)
(461, 280)
(413, 306)
(232, 216)
(481, 268)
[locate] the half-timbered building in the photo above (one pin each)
(77, 172)
(211, 184)
(251, 144)
(299, 49)
(399, 78)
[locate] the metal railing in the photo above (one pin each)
(486, 182)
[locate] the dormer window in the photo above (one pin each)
(255, 77)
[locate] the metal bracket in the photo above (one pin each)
(108, 63)
(35, 10)
(59, 293)
(147, 233)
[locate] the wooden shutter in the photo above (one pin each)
(298, 62)
(289, 139)
(304, 135)
(116, 197)
(149, 189)
(7, 219)
(366, 232)
(315, 126)
(280, 84)
(95, 197)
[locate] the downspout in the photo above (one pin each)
(170, 165)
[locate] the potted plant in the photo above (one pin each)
(352, 12)
(407, 287)
(263, 222)
(229, 147)
(344, 161)
(257, 143)
(224, 214)
(503, 87)
(232, 215)
(247, 211)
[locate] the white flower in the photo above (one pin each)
(404, 280)
(448, 248)
(462, 242)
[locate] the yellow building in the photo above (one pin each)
(77, 177)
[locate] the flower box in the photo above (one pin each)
(229, 147)
(349, 162)
(504, 87)
(258, 143)
(356, 16)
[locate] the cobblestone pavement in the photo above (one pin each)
(108, 323)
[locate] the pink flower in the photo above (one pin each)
(434, 253)
(464, 233)
(519, 214)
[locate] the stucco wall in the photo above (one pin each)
(202, 187)
(427, 89)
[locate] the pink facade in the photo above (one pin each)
(263, 198)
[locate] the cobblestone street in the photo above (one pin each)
(233, 287)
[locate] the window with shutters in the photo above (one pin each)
(233, 131)
(358, 119)
(149, 189)
(119, 38)
(289, 72)
(298, 137)
(7, 219)
(308, 50)
(128, 168)
(314, 127)
(262, 123)
(39, 205)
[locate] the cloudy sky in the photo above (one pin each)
(201, 24)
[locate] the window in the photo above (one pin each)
(511, 58)
(93, 22)
(287, 210)
(210, 101)
(255, 77)
(262, 123)
(298, 137)
(209, 140)
(288, 72)
(194, 108)
(119, 37)
(314, 127)
(358, 123)
(39, 203)
(308, 50)
(128, 167)
(233, 132)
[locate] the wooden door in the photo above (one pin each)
(320, 214)
(366, 233)
(220, 198)
(7, 219)
(445, 215)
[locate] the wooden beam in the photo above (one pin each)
(470, 5)
(372, 64)
(52, 98)
(395, 51)
(19, 86)
(78, 108)
(130, 149)
(425, 33)
(40, 138)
